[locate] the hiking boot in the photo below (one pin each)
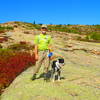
(33, 77)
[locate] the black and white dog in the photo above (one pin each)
(56, 68)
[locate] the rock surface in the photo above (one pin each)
(80, 75)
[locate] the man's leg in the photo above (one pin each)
(47, 64)
(38, 65)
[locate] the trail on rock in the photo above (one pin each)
(80, 75)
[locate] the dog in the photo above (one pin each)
(56, 68)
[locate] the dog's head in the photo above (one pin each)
(61, 61)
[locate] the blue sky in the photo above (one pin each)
(51, 11)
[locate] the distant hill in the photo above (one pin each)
(91, 32)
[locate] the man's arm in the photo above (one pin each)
(36, 47)
(50, 48)
(36, 52)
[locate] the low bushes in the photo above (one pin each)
(64, 28)
(12, 64)
(93, 37)
(21, 46)
(5, 28)
(3, 39)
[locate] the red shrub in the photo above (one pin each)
(10, 68)
(3, 39)
(23, 42)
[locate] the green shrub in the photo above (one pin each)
(5, 53)
(97, 26)
(95, 36)
(9, 28)
(64, 28)
(4, 28)
(87, 37)
(20, 46)
(37, 26)
(0, 46)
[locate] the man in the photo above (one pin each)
(42, 47)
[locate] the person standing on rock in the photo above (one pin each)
(42, 49)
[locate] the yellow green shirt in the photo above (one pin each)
(42, 41)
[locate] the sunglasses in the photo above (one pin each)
(44, 28)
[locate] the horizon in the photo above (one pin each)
(74, 12)
(46, 24)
